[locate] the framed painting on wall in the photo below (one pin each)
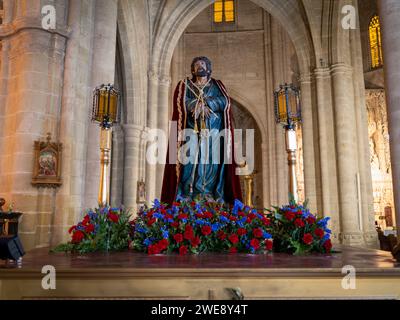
(47, 164)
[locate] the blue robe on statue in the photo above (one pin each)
(204, 175)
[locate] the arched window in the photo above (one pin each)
(375, 43)
(224, 11)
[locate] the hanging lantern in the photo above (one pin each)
(105, 105)
(287, 105)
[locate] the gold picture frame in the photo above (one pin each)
(47, 164)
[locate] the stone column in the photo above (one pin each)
(133, 136)
(75, 110)
(32, 78)
(163, 121)
(308, 142)
(364, 153)
(103, 71)
(117, 166)
(269, 163)
(327, 149)
(390, 16)
(151, 169)
(280, 76)
(345, 126)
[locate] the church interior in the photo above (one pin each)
(342, 55)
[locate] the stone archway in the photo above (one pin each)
(175, 21)
(244, 120)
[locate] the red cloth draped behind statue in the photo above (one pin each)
(173, 171)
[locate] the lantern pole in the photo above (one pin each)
(105, 111)
(288, 119)
(291, 148)
(105, 159)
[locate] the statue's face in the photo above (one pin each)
(200, 68)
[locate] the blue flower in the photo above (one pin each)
(243, 220)
(215, 227)
(223, 219)
(140, 229)
(238, 205)
(147, 242)
(158, 215)
(267, 235)
(323, 222)
(157, 203)
(199, 222)
(326, 237)
(92, 214)
(165, 234)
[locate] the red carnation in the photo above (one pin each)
(310, 220)
(178, 238)
(71, 229)
(151, 221)
(153, 249)
(255, 244)
(289, 215)
(176, 204)
(78, 236)
(199, 215)
(266, 221)
(89, 228)
(189, 234)
(234, 238)
(299, 212)
(328, 245)
(163, 244)
(299, 223)
(183, 250)
(233, 250)
(113, 217)
(308, 238)
(175, 224)
(182, 216)
(206, 230)
(241, 231)
(233, 218)
(221, 235)
(195, 242)
(319, 233)
(208, 215)
(258, 233)
(85, 220)
(268, 245)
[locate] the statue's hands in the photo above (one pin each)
(197, 112)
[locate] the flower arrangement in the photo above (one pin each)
(297, 231)
(104, 229)
(200, 226)
(195, 227)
